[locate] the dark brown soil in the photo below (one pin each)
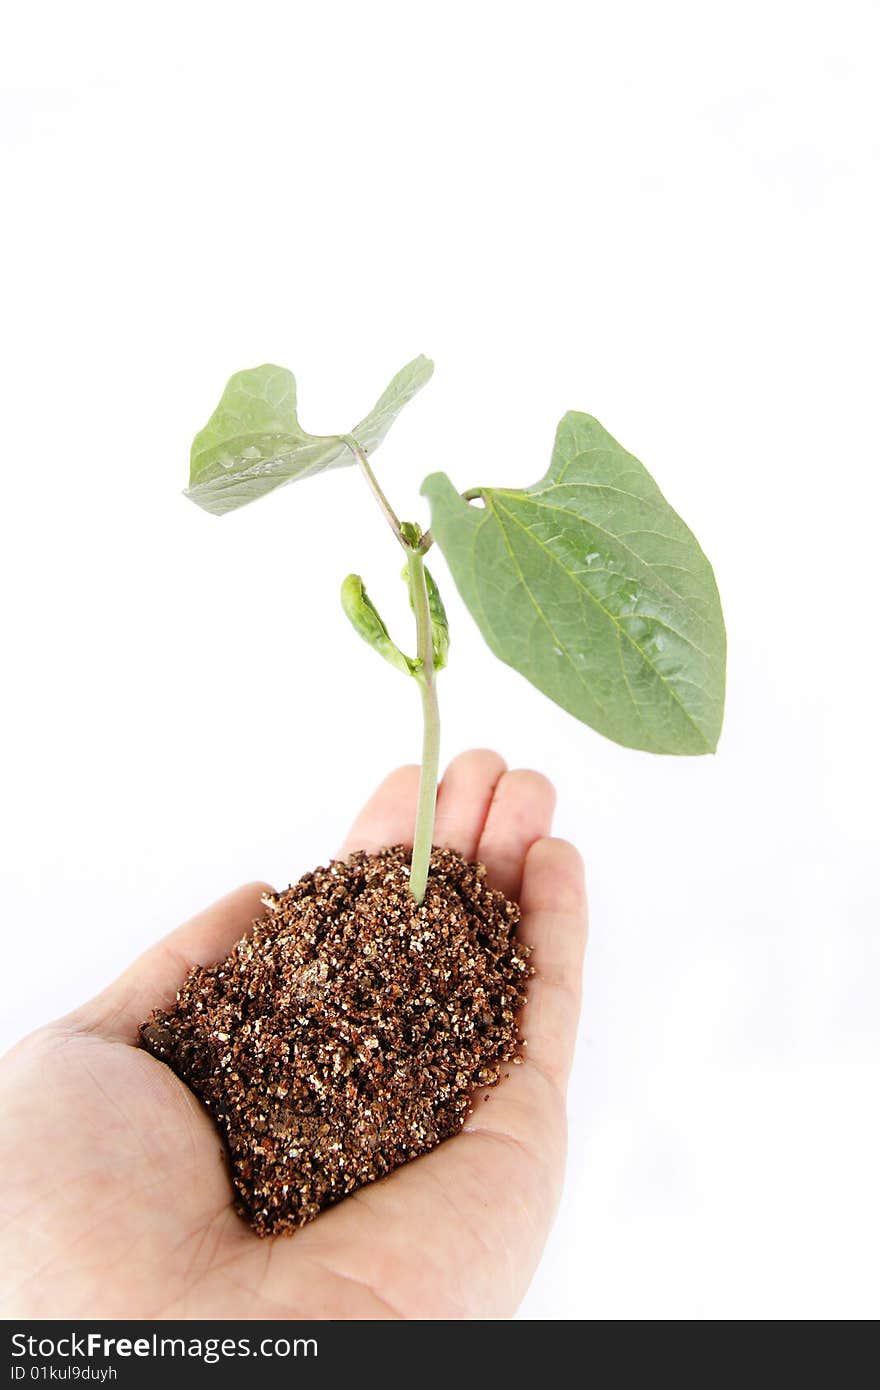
(349, 1031)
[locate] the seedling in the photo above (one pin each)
(587, 583)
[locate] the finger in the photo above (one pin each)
(553, 903)
(464, 798)
(389, 815)
(521, 813)
(463, 801)
(529, 1107)
(153, 980)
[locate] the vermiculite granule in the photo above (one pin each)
(349, 1031)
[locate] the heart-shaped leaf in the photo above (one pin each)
(591, 586)
(254, 442)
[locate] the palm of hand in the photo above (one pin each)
(116, 1200)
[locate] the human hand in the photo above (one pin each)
(115, 1199)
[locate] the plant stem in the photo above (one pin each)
(415, 544)
(373, 483)
(426, 677)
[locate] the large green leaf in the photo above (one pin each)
(593, 587)
(254, 442)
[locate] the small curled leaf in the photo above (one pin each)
(368, 623)
(439, 620)
(439, 623)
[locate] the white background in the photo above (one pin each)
(665, 215)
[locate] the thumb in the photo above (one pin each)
(153, 980)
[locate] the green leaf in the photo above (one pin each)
(368, 623)
(439, 623)
(437, 610)
(254, 442)
(408, 382)
(591, 586)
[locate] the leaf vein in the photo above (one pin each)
(648, 662)
(550, 628)
(596, 527)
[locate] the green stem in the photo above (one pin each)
(415, 544)
(427, 803)
(373, 483)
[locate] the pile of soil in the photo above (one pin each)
(348, 1032)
